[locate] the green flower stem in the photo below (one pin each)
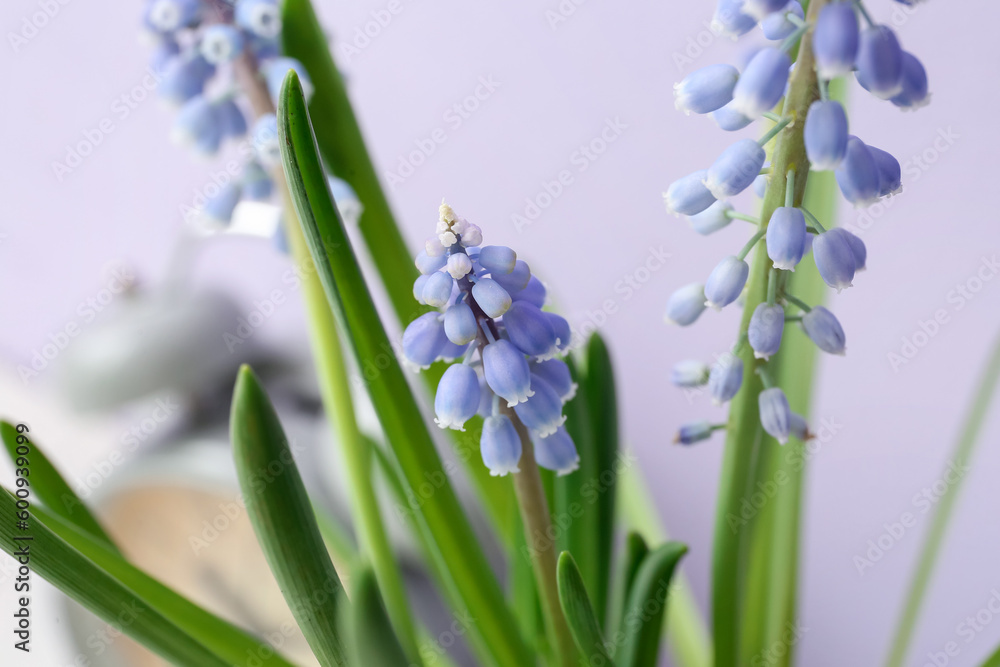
(538, 521)
(813, 219)
(799, 303)
(336, 393)
(961, 456)
(734, 611)
(742, 254)
(735, 215)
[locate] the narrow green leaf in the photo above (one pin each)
(223, 638)
(642, 623)
(374, 640)
(283, 519)
(48, 486)
(79, 578)
(580, 613)
(993, 660)
(633, 553)
(495, 633)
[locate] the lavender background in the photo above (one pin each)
(557, 85)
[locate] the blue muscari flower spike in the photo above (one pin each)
(529, 330)
(218, 210)
(516, 280)
(556, 373)
(259, 17)
(534, 293)
(729, 119)
(688, 434)
(556, 452)
(730, 19)
(257, 185)
(171, 15)
(457, 397)
(688, 195)
(564, 335)
(184, 77)
(166, 51)
(777, 26)
(497, 259)
(460, 323)
(686, 304)
(500, 446)
(775, 414)
(491, 297)
(735, 170)
(826, 135)
(835, 40)
(221, 43)
(858, 248)
(726, 282)
(890, 176)
(706, 89)
(274, 71)
(858, 174)
(689, 373)
(915, 92)
(712, 219)
(264, 139)
(506, 371)
(823, 329)
(542, 412)
(786, 237)
(424, 340)
(231, 118)
(764, 332)
(880, 62)
(761, 9)
(197, 124)
(762, 83)
(725, 378)
(437, 289)
(834, 260)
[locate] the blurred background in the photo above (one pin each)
(488, 104)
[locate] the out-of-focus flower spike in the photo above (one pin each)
(264, 138)
(764, 332)
(231, 118)
(729, 119)
(880, 62)
(689, 373)
(824, 330)
(507, 373)
(689, 434)
(834, 260)
(712, 219)
(221, 43)
(686, 304)
(534, 293)
(835, 40)
(260, 17)
(457, 397)
(735, 170)
(915, 93)
(274, 71)
(198, 125)
(556, 373)
(438, 289)
(424, 339)
(777, 26)
(775, 414)
(529, 330)
(516, 280)
(218, 210)
(761, 9)
(890, 174)
(500, 446)
(460, 323)
(826, 135)
(726, 378)
(184, 78)
(729, 19)
(762, 83)
(556, 452)
(726, 282)
(491, 297)
(688, 195)
(858, 174)
(497, 259)
(257, 184)
(786, 237)
(706, 89)
(171, 15)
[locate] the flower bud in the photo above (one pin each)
(437, 289)
(776, 26)
(427, 264)
(457, 397)
(880, 62)
(184, 77)
(556, 452)
(500, 446)
(823, 329)
(259, 17)
(762, 83)
(460, 324)
(686, 304)
(472, 236)
(171, 15)
(858, 174)
(729, 19)
(706, 89)
(516, 280)
(760, 185)
(689, 373)
(764, 332)
(424, 339)
(556, 373)
(825, 135)
(542, 412)
(451, 351)
(729, 119)
(726, 282)
(712, 219)
(497, 259)
(688, 195)
(775, 415)
(529, 330)
(835, 40)
(726, 378)
(491, 297)
(890, 176)
(221, 43)
(834, 260)
(534, 293)
(786, 237)
(688, 434)
(506, 372)
(418, 288)
(858, 248)
(459, 265)
(735, 170)
(915, 93)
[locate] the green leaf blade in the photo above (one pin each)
(579, 612)
(640, 644)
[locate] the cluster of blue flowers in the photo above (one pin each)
(491, 318)
(199, 43)
(845, 40)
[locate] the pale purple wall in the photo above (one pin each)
(557, 89)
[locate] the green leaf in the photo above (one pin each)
(642, 623)
(283, 519)
(223, 638)
(48, 486)
(374, 640)
(993, 660)
(478, 592)
(634, 552)
(79, 578)
(580, 613)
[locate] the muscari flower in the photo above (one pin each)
(914, 93)
(786, 237)
(735, 170)
(686, 304)
(184, 77)
(500, 446)
(556, 373)
(688, 434)
(507, 373)
(274, 71)
(858, 174)
(777, 26)
(798, 427)
(729, 119)
(761, 9)
(171, 15)
(835, 40)
(257, 185)
(529, 329)
(457, 397)
(825, 135)
(775, 414)
(689, 373)
(460, 323)
(556, 452)
(437, 289)
(880, 62)
(762, 83)
(542, 412)
(264, 139)
(712, 219)
(726, 282)
(491, 297)
(764, 332)
(858, 249)
(497, 259)
(534, 293)
(725, 378)
(231, 119)
(706, 89)
(834, 259)
(688, 195)
(197, 125)
(259, 17)
(890, 177)
(730, 19)
(221, 43)
(823, 329)
(218, 210)
(424, 340)
(517, 279)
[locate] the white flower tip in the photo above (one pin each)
(571, 468)
(447, 213)
(758, 355)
